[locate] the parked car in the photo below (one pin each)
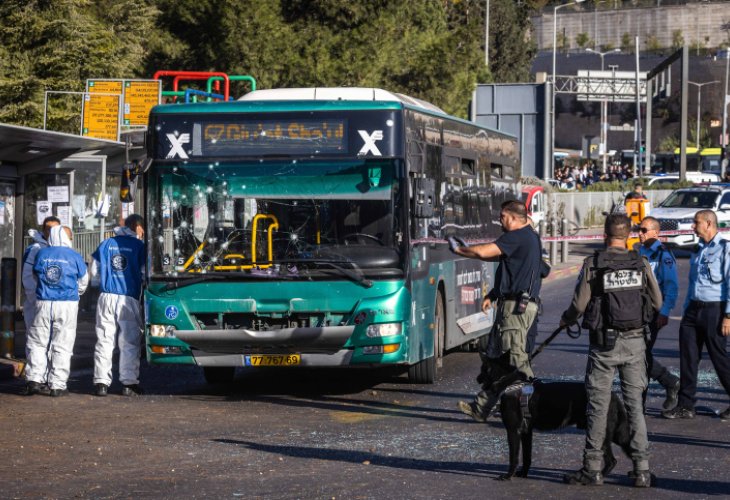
(676, 212)
(669, 179)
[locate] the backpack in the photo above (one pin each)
(620, 300)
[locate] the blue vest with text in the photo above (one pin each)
(58, 270)
(120, 265)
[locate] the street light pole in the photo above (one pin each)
(699, 99)
(550, 168)
(604, 133)
(724, 108)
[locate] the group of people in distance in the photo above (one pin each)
(54, 275)
(624, 297)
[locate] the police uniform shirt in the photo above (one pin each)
(664, 266)
(58, 270)
(120, 262)
(709, 272)
(519, 264)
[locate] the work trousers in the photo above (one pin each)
(701, 325)
(117, 314)
(50, 342)
(656, 370)
(628, 356)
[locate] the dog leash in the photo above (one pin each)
(571, 333)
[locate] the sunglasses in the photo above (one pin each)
(644, 230)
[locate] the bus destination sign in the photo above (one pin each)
(257, 137)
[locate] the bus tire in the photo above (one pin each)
(215, 375)
(424, 372)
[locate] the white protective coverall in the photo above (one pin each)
(118, 266)
(62, 277)
(28, 277)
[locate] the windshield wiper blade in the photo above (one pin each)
(174, 285)
(355, 274)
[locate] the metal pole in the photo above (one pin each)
(683, 115)
(697, 137)
(638, 111)
(486, 37)
(647, 127)
(723, 139)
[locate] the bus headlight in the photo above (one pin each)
(383, 330)
(162, 331)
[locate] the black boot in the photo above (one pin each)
(32, 388)
(101, 390)
(584, 477)
(672, 394)
(642, 478)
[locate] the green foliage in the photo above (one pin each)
(677, 40)
(431, 49)
(627, 43)
(57, 44)
(583, 40)
(652, 43)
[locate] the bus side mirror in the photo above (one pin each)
(424, 192)
(128, 187)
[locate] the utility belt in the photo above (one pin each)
(606, 338)
(698, 304)
(521, 302)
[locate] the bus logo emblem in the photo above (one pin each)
(369, 146)
(177, 143)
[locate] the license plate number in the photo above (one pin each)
(272, 359)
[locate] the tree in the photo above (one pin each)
(583, 40)
(677, 40)
(57, 45)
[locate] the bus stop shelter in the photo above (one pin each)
(73, 177)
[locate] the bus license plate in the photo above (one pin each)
(271, 359)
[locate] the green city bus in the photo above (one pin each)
(305, 227)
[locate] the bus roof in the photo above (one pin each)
(317, 99)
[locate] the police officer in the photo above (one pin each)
(617, 295)
(517, 291)
(665, 271)
(706, 318)
(119, 263)
(62, 277)
(30, 283)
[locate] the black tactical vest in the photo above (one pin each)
(620, 300)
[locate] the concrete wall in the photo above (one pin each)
(586, 208)
(698, 21)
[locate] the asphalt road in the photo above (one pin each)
(334, 434)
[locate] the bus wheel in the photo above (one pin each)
(219, 374)
(424, 372)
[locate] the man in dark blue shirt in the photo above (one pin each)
(516, 295)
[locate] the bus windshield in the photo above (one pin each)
(295, 218)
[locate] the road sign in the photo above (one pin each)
(104, 116)
(101, 108)
(612, 86)
(139, 98)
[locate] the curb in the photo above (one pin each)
(566, 272)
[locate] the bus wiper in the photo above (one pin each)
(354, 274)
(174, 285)
(221, 275)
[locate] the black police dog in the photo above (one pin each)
(554, 405)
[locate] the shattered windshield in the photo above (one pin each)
(293, 218)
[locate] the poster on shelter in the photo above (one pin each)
(63, 212)
(58, 194)
(43, 209)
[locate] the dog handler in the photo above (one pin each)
(119, 262)
(517, 289)
(617, 295)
